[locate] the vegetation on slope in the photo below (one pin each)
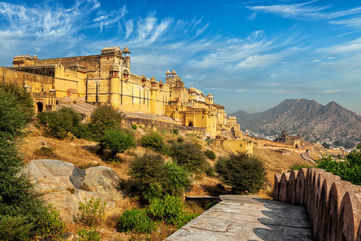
(349, 169)
(22, 215)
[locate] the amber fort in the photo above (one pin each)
(107, 78)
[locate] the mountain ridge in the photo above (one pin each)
(330, 123)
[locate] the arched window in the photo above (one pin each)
(40, 107)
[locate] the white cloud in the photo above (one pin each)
(256, 61)
(347, 47)
(129, 27)
(291, 10)
(305, 10)
(352, 22)
(201, 30)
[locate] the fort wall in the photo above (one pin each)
(106, 78)
(333, 205)
(41, 87)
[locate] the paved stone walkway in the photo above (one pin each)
(247, 218)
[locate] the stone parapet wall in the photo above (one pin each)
(333, 205)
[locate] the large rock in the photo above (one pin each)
(63, 185)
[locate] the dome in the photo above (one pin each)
(173, 71)
(167, 72)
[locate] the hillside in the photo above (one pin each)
(315, 122)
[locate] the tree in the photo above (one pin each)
(103, 118)
(243, 172)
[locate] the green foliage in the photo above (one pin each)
(88, 235)
(154, 141)
(349, 170)
(23, 99)
(134, 126)
(91, 212)
(210, 154)
(170, 209)
(15, 228)
(175, 131)
(117, 140)
(175, 179)
(15, 112)
(299, 166)
(243, 172)
(22, 215)
(210, 172)
(45, 152)
(189, 155)
(49, 224)
(104, 118)
(153, 178)
(59, 123)
(135, 220)
(358, 146)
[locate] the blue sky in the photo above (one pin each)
(250, 54)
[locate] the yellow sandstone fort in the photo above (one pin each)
(107, 79)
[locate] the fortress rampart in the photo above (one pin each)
(333, 205)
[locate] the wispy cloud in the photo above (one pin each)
(305, 10)
(347, 47)
(352, 22)
(129, 27)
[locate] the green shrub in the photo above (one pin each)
(349, 170)
(189, 155)
(22, 215)
(134, 126)
(135, 220)
(154, 141)
(210, 154)
(210, 172)
(82, 131)
(243, 172)
(153, 178)
(49, 225)
(22, 98)
(15, 228)
(299, 166)
(117, 140)
(104, 118)
(146, 172)
(175, 131)
(175, 179)
(170, 209)
(91, 212)
(88, 235)
(59, 123)
(14, 115)
(45, 152)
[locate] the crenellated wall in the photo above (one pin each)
(333, 205)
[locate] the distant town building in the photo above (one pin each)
(295, 141)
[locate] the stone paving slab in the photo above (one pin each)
(247, 218)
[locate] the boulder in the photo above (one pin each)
(63, 185)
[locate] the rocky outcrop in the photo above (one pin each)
(333, 205)
(63, 185)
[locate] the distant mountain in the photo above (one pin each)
(329, 123)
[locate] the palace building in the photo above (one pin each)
(107, 79)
